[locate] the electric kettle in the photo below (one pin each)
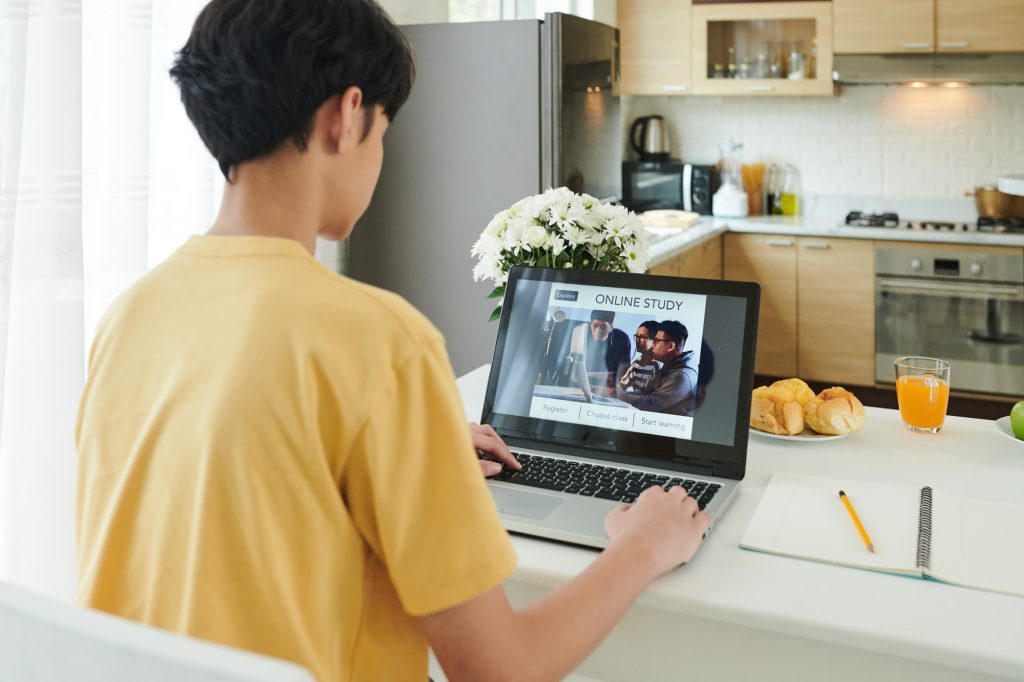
(649, 138)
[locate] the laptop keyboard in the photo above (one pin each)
(594, 480)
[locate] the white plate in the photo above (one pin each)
(805, 436)
(1003, 424)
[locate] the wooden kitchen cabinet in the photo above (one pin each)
(980, 25)
(885, 26)
(836, 310)
(754, 29)
(654, 45)
(771, 261)
(703, 261)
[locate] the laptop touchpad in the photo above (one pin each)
(521, 503)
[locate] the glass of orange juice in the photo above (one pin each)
(922, 390)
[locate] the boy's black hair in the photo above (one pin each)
(652, 327)
(603, 315)
(254, 72)
(674, 331)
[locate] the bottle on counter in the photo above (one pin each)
(790, 201)
(773, 191)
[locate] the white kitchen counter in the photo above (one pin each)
(743, 615)
(801, 226)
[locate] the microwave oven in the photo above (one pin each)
(650, 185)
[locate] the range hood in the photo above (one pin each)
(864, 69)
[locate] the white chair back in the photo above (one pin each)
(44, 640)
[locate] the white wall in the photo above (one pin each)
(886, 141)
(416, 11)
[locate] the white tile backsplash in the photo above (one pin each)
(886, 141)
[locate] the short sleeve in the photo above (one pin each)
(413, 485)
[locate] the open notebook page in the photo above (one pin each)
(978, 544)
(803, 517)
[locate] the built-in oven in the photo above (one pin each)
(966, 307)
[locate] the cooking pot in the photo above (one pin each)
(992, 203)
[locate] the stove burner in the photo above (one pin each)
(939, 226)
(861, 219)
(1000, 225)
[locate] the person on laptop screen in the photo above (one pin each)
(675, 382)
(639, 376)
(605, 350)
(262, 485)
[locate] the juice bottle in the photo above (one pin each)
(789, 203)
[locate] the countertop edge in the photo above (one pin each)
(709, 227)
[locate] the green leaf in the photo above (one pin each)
(498, 292)
(495, 314)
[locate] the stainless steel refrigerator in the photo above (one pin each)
(499, 111)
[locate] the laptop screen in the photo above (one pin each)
(642, 369)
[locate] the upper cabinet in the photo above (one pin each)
(762, 48)
(885, 26)
(655, 46)
(980, 25)
(893, 26)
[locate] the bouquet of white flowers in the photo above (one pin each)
(559, 229)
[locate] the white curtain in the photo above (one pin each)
(101, 176)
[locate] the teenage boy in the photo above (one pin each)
(244, 475)
(639, 377)
(674, 384)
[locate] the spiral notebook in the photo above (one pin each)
(916, 531)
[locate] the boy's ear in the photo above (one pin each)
(344, 119)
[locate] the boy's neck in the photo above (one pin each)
(275, 197)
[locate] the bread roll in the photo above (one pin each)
(779, 408)
(835, 411)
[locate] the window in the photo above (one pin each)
(491, 10)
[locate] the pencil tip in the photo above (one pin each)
(841, 493)
(871, 548)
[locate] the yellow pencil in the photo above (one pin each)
(856, 521)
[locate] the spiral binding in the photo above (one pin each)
(924, 530)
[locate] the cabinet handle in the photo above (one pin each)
(760, 88)
(917, 46)
(674, 88)
(817, 245)
(779, 242)
(953, 44)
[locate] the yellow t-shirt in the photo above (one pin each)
(274, 457)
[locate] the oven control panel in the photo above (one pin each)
(1002, 266)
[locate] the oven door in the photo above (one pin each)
(978, 328)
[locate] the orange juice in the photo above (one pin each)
(922, 400)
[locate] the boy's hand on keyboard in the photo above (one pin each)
(665, 528)
(489, 445)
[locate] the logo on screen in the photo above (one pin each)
(563, 295)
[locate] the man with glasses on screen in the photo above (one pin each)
(675, 382)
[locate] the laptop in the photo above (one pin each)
(592, 420)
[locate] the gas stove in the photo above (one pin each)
(984, 224)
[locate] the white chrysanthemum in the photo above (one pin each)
(575, 235)
(487, 246)
(534, 236)
(516, 230)
(556, 244)
(539, 228)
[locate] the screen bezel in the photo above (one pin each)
(663, 452)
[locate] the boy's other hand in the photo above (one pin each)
(663, 527)
(489, 444)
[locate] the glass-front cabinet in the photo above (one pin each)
(762, 48)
